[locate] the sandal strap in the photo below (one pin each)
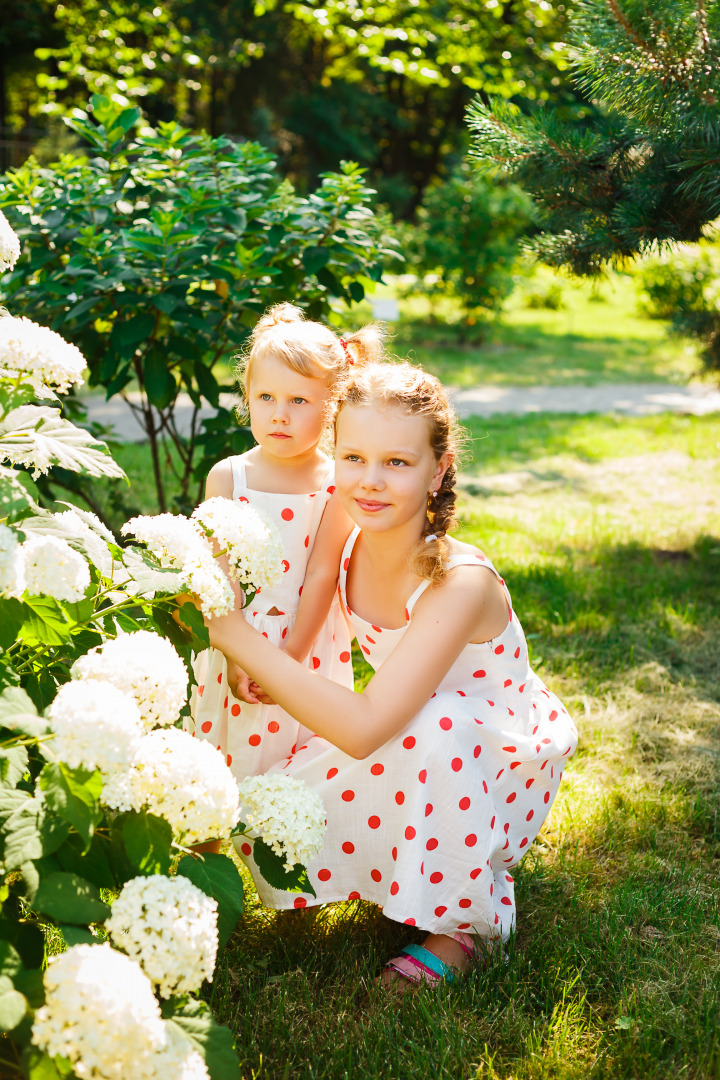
(423, 958)
(467, 943)
(412, 971)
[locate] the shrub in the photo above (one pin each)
(685, 288)
(467, 238)
(157, 253)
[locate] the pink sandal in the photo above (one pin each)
(420, 966)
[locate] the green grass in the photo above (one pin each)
(596, 336)
(608, 533)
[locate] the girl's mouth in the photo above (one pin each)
(369, 506)
(278, 435)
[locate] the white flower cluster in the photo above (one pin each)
(146, 667)
(9, 244)
(286, 813)
(50, 567)
(95, 726)
(177, 542)
(250, 540)
(89, 523)
(9, 562)
(101, 1014)
(184, 780)
(170, 928)
(39, 353)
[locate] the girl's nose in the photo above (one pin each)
(371, 479)
(280, 414)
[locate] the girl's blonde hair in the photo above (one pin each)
(411, 389)
(308, 347)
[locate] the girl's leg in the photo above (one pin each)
(451, 952)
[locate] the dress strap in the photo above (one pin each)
(345, 565)
(414, 599)
(237, 466)
(476, 558)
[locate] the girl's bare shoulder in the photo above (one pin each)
(220, 479)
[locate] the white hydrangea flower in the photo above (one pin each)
(10, 563)
(9, 244)
(95, 726)
(41, 354)
(50, 567)
(286, 813)
(170, 928)
(101, 1014)
(250, 540)
(147, 668)
(186, 781)
(178, 542)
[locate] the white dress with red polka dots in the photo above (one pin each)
(254, 737)
(430, 824)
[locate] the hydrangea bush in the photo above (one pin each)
(101, 792)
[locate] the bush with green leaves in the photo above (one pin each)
(157, 251)
(684, 286)
(109, 927)
(466, 240)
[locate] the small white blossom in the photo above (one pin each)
(178, 542)
(179, 1060)
(10, 563)
(101, 1014)
(95, 726)
(40, 354)
(88, 523)
(147, 668)
(170, 927)
(286, 813)
(250, 540)
(185, 781)
(9, 244)
(50, 567)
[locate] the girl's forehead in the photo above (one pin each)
(372, 421)
(268, 366)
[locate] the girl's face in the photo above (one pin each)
(287, 410)
(385, 467)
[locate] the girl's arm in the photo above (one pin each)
(321, 578)
(220, 482)
(469, 605)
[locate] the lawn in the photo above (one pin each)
(608, 533)
(596, 335)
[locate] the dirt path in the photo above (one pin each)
(636, 399)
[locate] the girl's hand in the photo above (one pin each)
(241, 685)
(260, 694)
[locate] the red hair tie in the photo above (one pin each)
(348, 357)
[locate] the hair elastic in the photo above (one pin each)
(348, 357)
(432, 536)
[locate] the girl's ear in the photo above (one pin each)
(444, 462)
(353, 351)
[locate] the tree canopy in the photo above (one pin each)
(385, 84)
(646, 171)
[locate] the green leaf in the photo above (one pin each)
(207, 383)
(45, 622)
(17, 712)
(27, 938)
(13, 1005)
(128, 332)
(217, 876)
(331, 283)
(70, 899)
(214, 1042)
(12, 613)
(147, 840)
(159, 383)
(13, 763)
(36, 1064)
(193, 618)
(15, 498)
(149, 576)
(30, 983)
(73, 794)
(315, 258)
(92, 863)
(357, 291)
(30, 834)
(77, 935)
(272, 868)
(10, 962)
(38, 431)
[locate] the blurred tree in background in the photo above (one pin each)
(385, 84)
(646, 173)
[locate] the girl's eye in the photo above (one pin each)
(265, 397)
(397, 461)
(351, 457)
(298, 400)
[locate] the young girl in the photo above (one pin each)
(289, 372)
(438, 777)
